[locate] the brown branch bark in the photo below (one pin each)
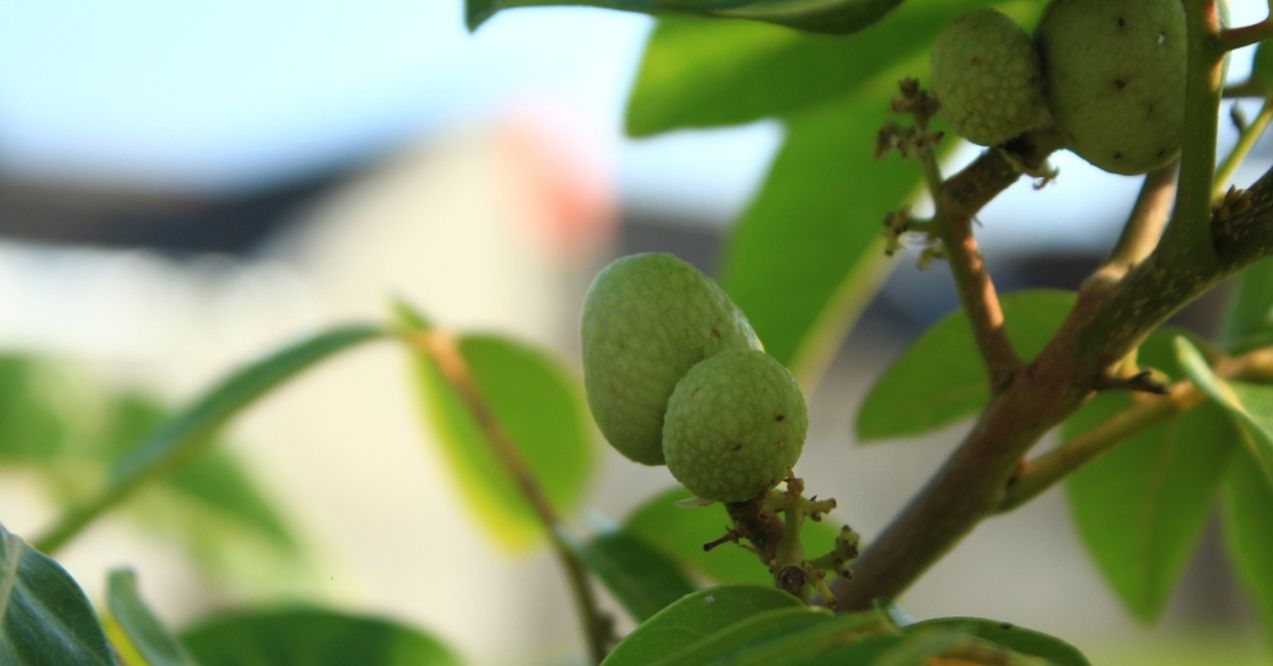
(1105, 325)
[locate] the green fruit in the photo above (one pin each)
(1115, 72)
(986, 76)
(647, 319)
(735, 426)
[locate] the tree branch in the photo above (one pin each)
(1246, 141)
(442, 349)
(1145, 223)
(1236, 38)
(956, 204)
(1105, 325)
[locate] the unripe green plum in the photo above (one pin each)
(735, 426)
(647, 319)
(986, 75)
(1115, 78)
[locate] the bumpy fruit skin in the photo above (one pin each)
(987, 78)
(1115, 73)
(647, 319)
(735, 426)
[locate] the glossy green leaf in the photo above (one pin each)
(1248, 506)
(641, 578)
(825, 16)
(44, 616)
(693, 618)
(1018, 639)
(541, 408)
(778, 636)
(144, 631)
(1140, 508)
(1250, 405)
(1250, 310)
(921, 646)
(696, 74)
(311, 637)
(679, 533)
(808, 253)
(189, 431)
(940, 378)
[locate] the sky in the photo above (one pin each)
(224, 96)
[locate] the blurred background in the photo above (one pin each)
(184, 187)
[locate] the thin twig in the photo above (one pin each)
(1236, 38)
(1145, 223)
(1246, 141)
(442, 349)
(1038, 475)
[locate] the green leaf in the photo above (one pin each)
(642, 579)
(189, 431)
(826, 16)
(808, 254)
(940, 378)
(1140, 508)
(778, 636)
(1250, 310)
(144, 631)
(694, 617)
(696, 74)
(538, 405)
(213, 482)
(312, 637)
(1250, 405)
(44, 616)
(679, 533)
(1019, 639)
(32, 411)
(1248, 504)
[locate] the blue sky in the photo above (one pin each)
(223, 95)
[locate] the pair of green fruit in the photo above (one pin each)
(1108, 74)
(674, 374)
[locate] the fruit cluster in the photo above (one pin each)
(674, 374)
(1109, 75)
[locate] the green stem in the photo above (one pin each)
(441, 349)
(1246, 141)
(1186, 244)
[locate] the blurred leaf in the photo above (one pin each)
(311, 637)
(213, 481)
(1262, 67)
(1140, 507)
(44, 616)
(1250, 310)
(540, 407)
(680, 532)
(143, 630)
(1248, 505)
(941, 646)
(940, 378)
(693, 618)
(642, 579)
(808, 253)
(188, 432)
(826, 16)
(1250, 405)
(1019, 639)
(697, 74)
(31, 426)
